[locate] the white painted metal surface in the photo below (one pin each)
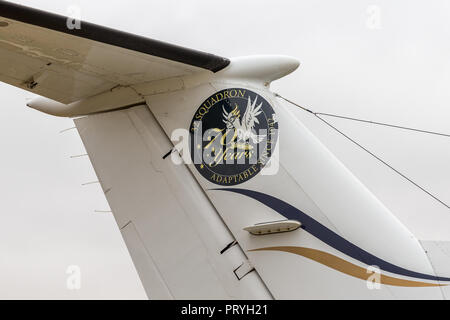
(439, 254)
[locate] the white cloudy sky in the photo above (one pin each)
(396, 69)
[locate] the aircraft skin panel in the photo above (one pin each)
(349, 226)
(170, 215)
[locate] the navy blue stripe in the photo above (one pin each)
(329, 237)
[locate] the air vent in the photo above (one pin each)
(273, 227)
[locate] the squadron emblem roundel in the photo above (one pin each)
(232, 136)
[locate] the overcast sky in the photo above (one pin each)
(378, 60)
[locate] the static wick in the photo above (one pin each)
(65, 130)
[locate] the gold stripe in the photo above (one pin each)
(346, 267)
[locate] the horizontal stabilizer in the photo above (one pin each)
(67, 60)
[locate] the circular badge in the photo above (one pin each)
(232, 136)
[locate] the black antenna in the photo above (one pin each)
(318, 115)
